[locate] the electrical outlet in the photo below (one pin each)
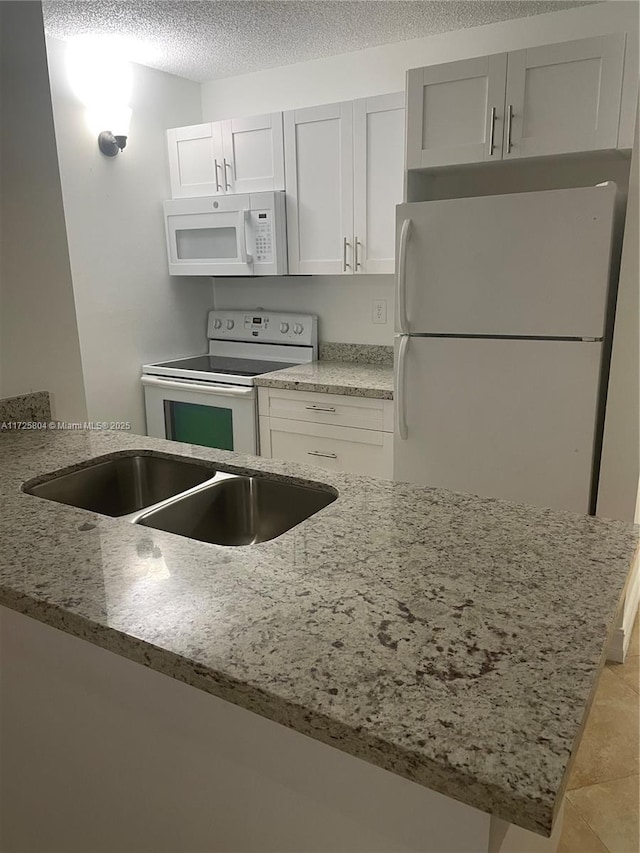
(379, 312)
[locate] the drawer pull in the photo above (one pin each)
(320, 408)
(319, 453)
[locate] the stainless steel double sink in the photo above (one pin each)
(198, 501)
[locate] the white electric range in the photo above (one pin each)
(211, 399)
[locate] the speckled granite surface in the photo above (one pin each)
(333, 377)
(35, 406)
(452, 640)
(356, 353)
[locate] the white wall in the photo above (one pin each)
(130, 311)
(39, 347)
(344, 302)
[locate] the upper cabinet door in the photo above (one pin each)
(378, 158)
(564, 97)
(253, 156)
(319, 183)
(456, 112)
(195, 160)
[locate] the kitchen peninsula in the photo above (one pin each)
(445, 640)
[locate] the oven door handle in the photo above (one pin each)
(209, 388)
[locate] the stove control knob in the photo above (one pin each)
(297, 329)
(284, 328)
(230, 324)
(217, 324)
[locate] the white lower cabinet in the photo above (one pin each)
(333, 431)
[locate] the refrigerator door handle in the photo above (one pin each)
(401, 415)
(403, 323)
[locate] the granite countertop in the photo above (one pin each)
(334, 377)
(32, 406)
(451, 640)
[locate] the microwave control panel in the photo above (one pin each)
(262, 222)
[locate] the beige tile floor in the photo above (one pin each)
(603, 802)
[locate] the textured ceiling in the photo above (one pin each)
(221, 38)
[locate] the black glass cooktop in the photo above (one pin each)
(228, 366)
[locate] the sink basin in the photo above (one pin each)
(183, 497)
(239, 510)
(122, 485)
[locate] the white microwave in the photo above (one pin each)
(227, 235)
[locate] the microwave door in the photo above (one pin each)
(208, 244)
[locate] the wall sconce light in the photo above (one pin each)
(112, 141)
(110, 144)
(101, 79)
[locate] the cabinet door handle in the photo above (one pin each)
(324, 455)
(320, 408)
(226, 166)
(493, 131)
(509, 118)
(357, 243)
(344, 254)
(218, 187)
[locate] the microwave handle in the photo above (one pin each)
(204, 388)
(243, 221)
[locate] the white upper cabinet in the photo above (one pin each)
(195, 160)
(564, 97)
(378, 175)
(344, 168)
(253, 151)
(456, 112)
(234, 156)
(555, 99)
(319, 183)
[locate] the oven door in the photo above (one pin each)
(207, 243)
(220, 416)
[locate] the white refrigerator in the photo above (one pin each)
(501, 319)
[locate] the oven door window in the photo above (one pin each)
(211, 426)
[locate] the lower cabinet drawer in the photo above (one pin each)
(360, 451)
(330, 409)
